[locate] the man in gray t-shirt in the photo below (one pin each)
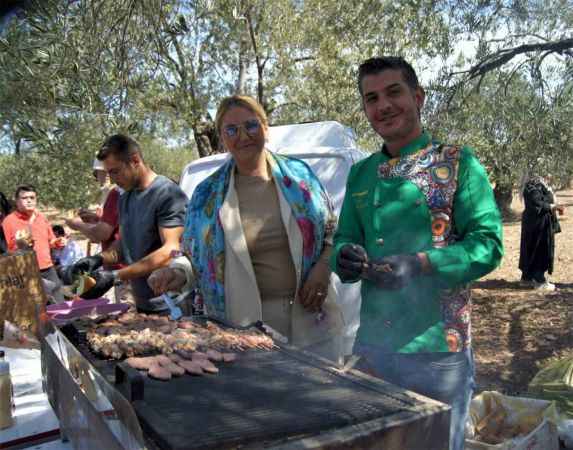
(151, 219)
(142, 214)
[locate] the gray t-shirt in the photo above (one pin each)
(141, 214)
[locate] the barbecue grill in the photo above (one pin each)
(285, 398)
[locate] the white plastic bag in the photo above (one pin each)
(502, 422)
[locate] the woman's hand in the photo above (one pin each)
(315, 288)
(166, 279)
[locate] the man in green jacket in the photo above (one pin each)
(418, 223)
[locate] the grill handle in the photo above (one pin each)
(129, 382)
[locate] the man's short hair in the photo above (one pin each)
(24, 188)
(374, 66)
(58, 230)
(120, 146)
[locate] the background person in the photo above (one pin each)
(88, 217)
(151, 217)
(258, 232)
(539, 224)
(418, 223)
(67, 250)
(28, 228)
(104, 230)
(5, 209)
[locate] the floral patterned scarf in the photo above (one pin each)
(203, 237)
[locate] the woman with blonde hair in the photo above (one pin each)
(258, 236)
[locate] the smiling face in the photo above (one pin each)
(243, 135)
(392, 107)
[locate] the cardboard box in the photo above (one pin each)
(22, 295)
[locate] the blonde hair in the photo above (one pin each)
(242, 101)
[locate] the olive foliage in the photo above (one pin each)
(498, 76)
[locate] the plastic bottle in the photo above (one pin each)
(6, 419)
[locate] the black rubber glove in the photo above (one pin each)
(66, 275)
(105, 279)
(88, 265)
(394, 272)
(350, 262)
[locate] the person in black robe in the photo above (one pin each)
(539, 224)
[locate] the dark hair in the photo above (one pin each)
(24, 188)
(120, 146)
(5, 205)
(374, 66)
(58, 230)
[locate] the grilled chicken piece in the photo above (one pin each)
(174, 369)
(198, 355)
(184, 354)
(141, 363)
(191, 367)
(160, 373)
(174, 357)
(229, 357)
(165, 361)
(186, 325)
(162, 360)
(214, 355)
(206, 365)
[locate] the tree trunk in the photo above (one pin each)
(243, 66)
(206, 138)
(503, 196)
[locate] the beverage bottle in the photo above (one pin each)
(6, 419)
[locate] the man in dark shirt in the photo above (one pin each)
(151, 219)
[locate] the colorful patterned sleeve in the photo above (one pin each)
(478, 248)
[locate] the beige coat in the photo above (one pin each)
(242, 297)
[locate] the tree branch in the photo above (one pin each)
(503, 56)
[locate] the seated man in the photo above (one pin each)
(67, 250)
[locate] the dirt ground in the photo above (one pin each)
(517, 331)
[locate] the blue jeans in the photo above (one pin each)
(446, 377)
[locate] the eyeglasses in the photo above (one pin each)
(250, 126)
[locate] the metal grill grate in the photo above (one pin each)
(263, 396)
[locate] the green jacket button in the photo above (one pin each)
(380, 241)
